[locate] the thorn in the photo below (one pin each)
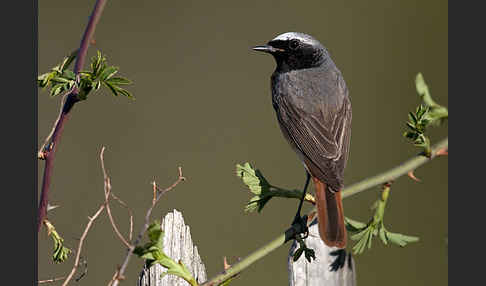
(412, 176)
(51, 207)
(442, 152)
(93, 41)
(226, 265)
(388, 184)
(180, 174)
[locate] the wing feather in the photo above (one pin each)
(316, 120)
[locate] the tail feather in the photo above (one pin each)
(330, 215)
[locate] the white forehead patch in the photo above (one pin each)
(304, 38)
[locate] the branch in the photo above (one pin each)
(68, 101)
(394, 173)
(50, 280)
(130, 213)
(81, 241)
(107, 185)
(390, 175)
(158, 193)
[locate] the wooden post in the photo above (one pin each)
(178, 245)
(318, 272)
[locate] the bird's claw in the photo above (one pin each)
(298, 227)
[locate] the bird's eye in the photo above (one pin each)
(294, 44)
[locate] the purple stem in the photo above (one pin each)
(68, 103)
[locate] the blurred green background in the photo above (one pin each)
(203, 102)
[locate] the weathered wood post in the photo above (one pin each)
(318, 272)
(178, 245)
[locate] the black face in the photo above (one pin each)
(293, 51)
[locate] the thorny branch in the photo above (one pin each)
(68, 101)
(440, 149)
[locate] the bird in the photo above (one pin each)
(313, 109)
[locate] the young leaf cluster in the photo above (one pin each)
(60, 251)
(60, 79)
(417, 124)
(153, 253)
(364, 233)
(427, 114)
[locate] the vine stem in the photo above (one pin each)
(387, 176)
(48, 151)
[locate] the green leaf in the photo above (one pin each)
(412, 118)
(383, 236)
(44, 79)
(353, 225)
(96, 63)
(364, 233)
(257, 184)
(123, 92)
(57, 89)
(153, 253)
(60, 79)
(249, 177)
(364, 240)
(423, 90)
(437, 112)
(69, 75)
(111, 87)
(119, 81)
(401, 239)
(68, 60)
(108, 73)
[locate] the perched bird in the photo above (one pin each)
(313, 109)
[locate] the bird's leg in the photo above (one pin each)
(302, 221)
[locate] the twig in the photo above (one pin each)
(67, 102)
(107, 197)
(365, 184)
(116, 277)
(85, 264)
(50, 280)
(130, 213)
(160, 192)
(81, 241)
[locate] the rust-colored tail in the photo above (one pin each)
(330, 215)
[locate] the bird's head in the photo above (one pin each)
(293, 51)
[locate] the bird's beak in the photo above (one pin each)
(266, 49)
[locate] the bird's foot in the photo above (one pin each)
(340, 260)
(298, 227)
